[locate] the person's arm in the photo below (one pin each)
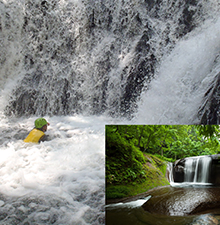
(43, 138)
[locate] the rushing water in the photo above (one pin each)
(152, 60)
(77, 63)
(182, 78)
(197, 169)
(60, 181)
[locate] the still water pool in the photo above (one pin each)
(137, 216)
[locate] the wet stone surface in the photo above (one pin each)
(207, 220)
(175, 201)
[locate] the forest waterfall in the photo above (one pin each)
(100, 57)
(197, 169)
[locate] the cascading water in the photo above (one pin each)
(197, 169)
(189, 170)
(193, 170)
(94, 57)
(191, 68)
(71, 60)
(169, 173)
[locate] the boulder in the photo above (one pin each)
(175, 201)
(178, 170)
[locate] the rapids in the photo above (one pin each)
(60, 181)
(78, 63)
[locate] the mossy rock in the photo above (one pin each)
(117, 192)
(154, 176)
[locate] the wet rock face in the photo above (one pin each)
(95, 57)
(183, 201)
(209, 111)
(215, 172)
(178, 170)
(207, 219)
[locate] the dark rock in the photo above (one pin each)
(178, 170)
(183, 201)
(215, 170)
(209, 111)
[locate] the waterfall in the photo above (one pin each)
(189, 170)
(100, 57)
(178, 90)
(169, 173)
(197, 169)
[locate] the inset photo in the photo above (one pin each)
(162, 174)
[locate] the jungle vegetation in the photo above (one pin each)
(137, 155)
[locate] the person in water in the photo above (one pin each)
(37, 134)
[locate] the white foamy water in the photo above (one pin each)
(131, 204)
(60, 181)
(196, 172)
(176, 94)
(66, 57)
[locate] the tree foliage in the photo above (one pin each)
(127, 144)
(123, 160)
(171, 141)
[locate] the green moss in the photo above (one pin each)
(119, 191)
(156, 160)
(163, 168)
(154, 176)
(129, 190)
(165, 158)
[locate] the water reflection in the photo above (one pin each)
(138, 216)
